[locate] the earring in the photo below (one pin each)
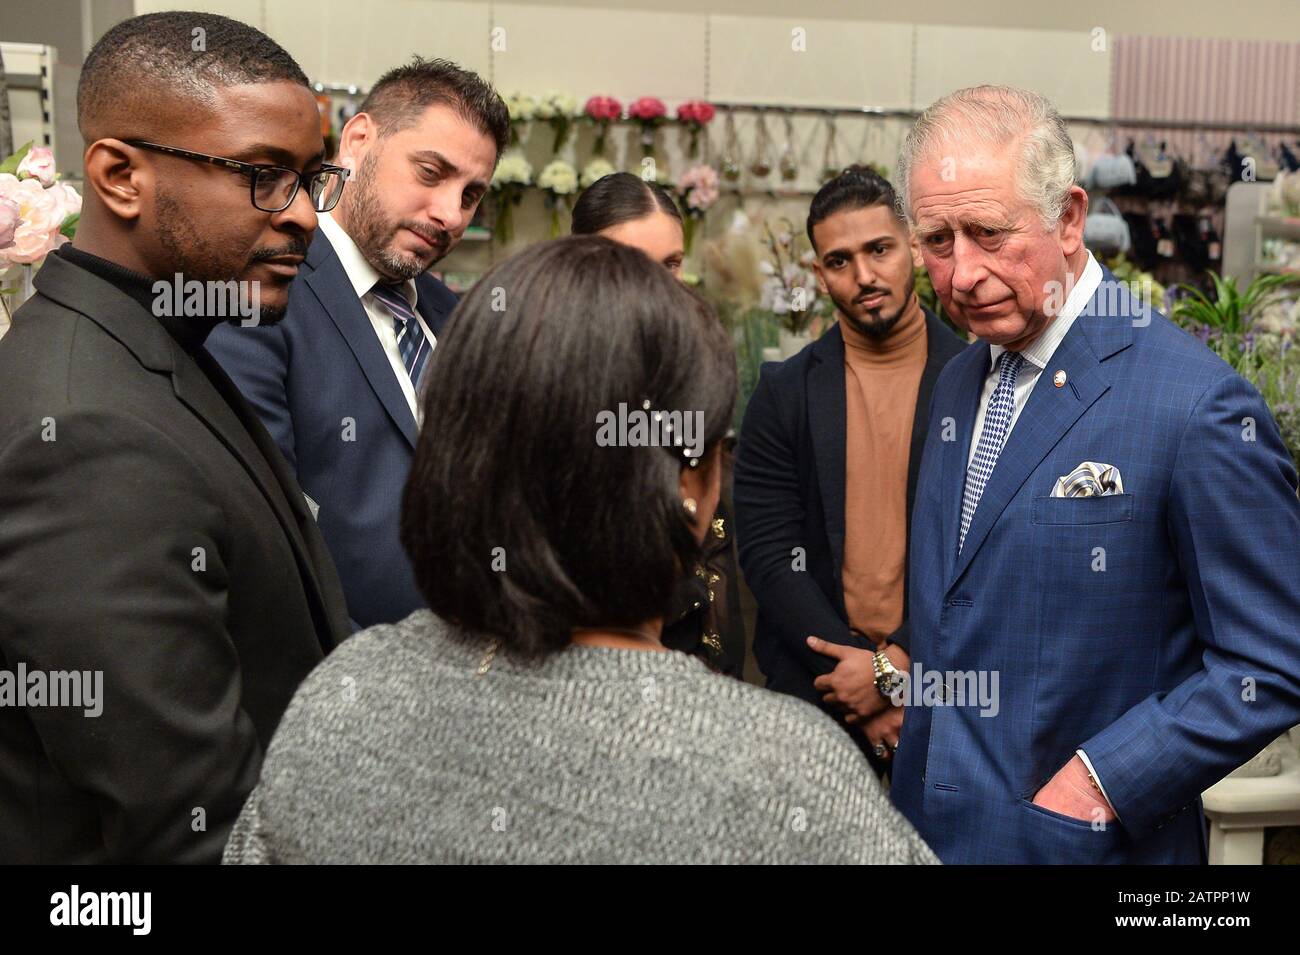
(690, 506)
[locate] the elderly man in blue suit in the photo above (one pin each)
(1106, 529)
(337, 382)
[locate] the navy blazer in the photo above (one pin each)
(323, 386)
(1157, 630)
(789, 493)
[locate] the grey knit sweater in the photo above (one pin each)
(396, 750)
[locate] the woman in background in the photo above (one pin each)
(630, 210)
(704, 615)
(532, 713)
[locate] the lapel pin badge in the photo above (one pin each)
(1059, 379)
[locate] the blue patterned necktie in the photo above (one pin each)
(997, 418)
(411, 340)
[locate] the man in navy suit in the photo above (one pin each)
(827, 466)
(337, 381)
(1106, 529)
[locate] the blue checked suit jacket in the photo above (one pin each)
(1159, 631)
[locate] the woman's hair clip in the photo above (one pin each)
(667, 428)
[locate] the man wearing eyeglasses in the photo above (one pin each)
(165, 588)
(337, 383)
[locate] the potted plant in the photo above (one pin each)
(789, 289)
(1254, 331)
(1225, 322)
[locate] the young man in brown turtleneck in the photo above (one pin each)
(827, 467)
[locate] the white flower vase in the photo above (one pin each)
(791, 343)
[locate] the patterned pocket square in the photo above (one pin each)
(1090, 479)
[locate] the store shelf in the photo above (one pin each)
(30, 68)
(1279, 227)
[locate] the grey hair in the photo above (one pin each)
(998, 116)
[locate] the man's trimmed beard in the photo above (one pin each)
(881, 327)
(189, 255)
(370, 229)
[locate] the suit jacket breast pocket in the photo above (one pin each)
(1107, 509)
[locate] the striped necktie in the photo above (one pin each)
(997, 419)
(411, 341)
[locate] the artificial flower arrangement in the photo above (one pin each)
(522, 108)
(648, 112)
(598, 168)
(559, 110)
(38, 213)
(789, 289)
(560, 181)
(602, 112)
(512, 176)
(694, 115)
(697, 191)
(761, 285)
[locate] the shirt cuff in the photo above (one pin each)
(1087, 764)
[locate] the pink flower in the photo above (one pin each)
(38, 164)
(32, 246)
(701, 200)
(699, 176)
(603, 108)
(695, 111)
(647, 107)
(699, 184)
(41, 212)
(9, 219)
(68, 198)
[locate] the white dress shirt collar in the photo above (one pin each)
(360, 272)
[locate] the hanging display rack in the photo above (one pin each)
(892, 113)
(882, 112)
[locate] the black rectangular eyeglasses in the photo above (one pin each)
(273, 188)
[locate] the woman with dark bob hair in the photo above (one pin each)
(703, 615)
(562, 480)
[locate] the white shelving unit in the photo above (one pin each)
(29, 74)
(1276, 227)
